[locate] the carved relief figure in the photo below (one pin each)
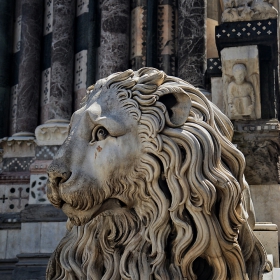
(247, 10)
(240, 94)
(153, 186)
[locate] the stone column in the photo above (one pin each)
(138, 34)
(113, 53)
(15, 66)
(166, 36)
(59, 105)
(191, 40)
(85, 48)
(6, 16)
(29, 66)
(46, 59)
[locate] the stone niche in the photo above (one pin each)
(241, 91)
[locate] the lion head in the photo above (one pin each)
(153, 186)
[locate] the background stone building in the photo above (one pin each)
(52, 50)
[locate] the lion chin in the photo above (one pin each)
(153, 187)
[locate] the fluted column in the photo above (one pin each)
(192, 40)
(59, 105)
(6, 16)
(138, 43)
(113, 53)
(29, 66)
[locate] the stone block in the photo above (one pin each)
(3, 243)
(266, 203)
(31, 266)
(241, 82)
(13, 243)
(42, 213)
(30, 237)
(267, 233)
(217, 92)
(51, 234)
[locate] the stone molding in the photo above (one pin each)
(53, 132)
(19, 145)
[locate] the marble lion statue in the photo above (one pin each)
(152, 186)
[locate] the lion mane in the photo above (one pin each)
(193, 216)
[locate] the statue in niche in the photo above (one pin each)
(153, 187)
(240, 95)
(247, 10)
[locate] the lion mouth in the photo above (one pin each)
(81, 217)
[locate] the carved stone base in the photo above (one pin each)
(53, 132)
(31, 266)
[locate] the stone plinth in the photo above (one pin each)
(266, 202)
(267, 233)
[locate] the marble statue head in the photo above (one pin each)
(153, 186)
(239, 72)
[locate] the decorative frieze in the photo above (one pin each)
(19, 145)
(38, 189)
(53, 132)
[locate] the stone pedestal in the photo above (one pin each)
(192, 41)
(267, 233)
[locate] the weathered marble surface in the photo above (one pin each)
(29, 66)
(62, 61)
(247, 10)
(259, 142)
(192, 41)
(134, 153)
(113, 53)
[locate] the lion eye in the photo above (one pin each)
(101, 134)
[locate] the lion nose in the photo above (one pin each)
(58, 171)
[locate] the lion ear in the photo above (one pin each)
(178, 104)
